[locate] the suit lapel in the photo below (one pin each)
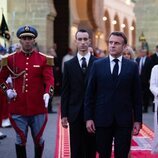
(77, 68)
(123, 69)
(107, 66)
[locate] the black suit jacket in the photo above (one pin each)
(145, 73)
(154, 60)
(108, 101)
(73, 88)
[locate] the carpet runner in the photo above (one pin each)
(141, 144)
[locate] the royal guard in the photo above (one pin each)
(33, 84)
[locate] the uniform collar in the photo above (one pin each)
(27, 53)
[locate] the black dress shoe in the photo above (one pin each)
(3, 136)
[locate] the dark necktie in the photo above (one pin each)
(115, 69)
(84, 64)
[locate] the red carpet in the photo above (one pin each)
(141, 144)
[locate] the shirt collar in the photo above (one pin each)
(112, 58)
(87, 56)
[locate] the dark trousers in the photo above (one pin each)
(121, 137)
(82, 144)
(146, 99)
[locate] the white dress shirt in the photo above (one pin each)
(112, 63)
(87, 56)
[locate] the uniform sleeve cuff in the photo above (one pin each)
(4, 87)
(51, 90)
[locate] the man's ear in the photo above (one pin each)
(20, 41)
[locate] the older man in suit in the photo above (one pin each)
(113, 103)
(76, 73)
(144, 73)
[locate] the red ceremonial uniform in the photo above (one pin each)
(32, 77)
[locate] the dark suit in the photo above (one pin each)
(154, 60)
(144, 78)
(113, 105)
(72, 103)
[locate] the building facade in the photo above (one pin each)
(147, 21)
(58, 20)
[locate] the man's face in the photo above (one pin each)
(116, 46)
(82, 41)
(27, 43)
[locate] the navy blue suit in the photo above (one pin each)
(72, 106)
(114, 104)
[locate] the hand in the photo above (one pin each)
(136, 128)
(90, 126)
(11, 93)
(46, 97)
(64, 122)
(9, 80)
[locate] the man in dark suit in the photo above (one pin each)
(154, 58)
(144, 73)
(112, 104)
(76, 73)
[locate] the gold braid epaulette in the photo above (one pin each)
(4, 62)
(50, 59)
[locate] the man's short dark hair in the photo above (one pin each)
(157, 47)
(120, 34)
(81, 30)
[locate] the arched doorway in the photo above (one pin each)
(107, 20)
(125, 27)
(116, 23)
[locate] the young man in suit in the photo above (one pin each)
(113, 102)
(75, 76)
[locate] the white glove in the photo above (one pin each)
(9, 80)
(46, 99)
(11, 93)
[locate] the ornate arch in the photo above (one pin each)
(125, 27)
(117, 24)
(133, 29)
(107, 25)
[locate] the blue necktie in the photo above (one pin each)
(115, 69)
